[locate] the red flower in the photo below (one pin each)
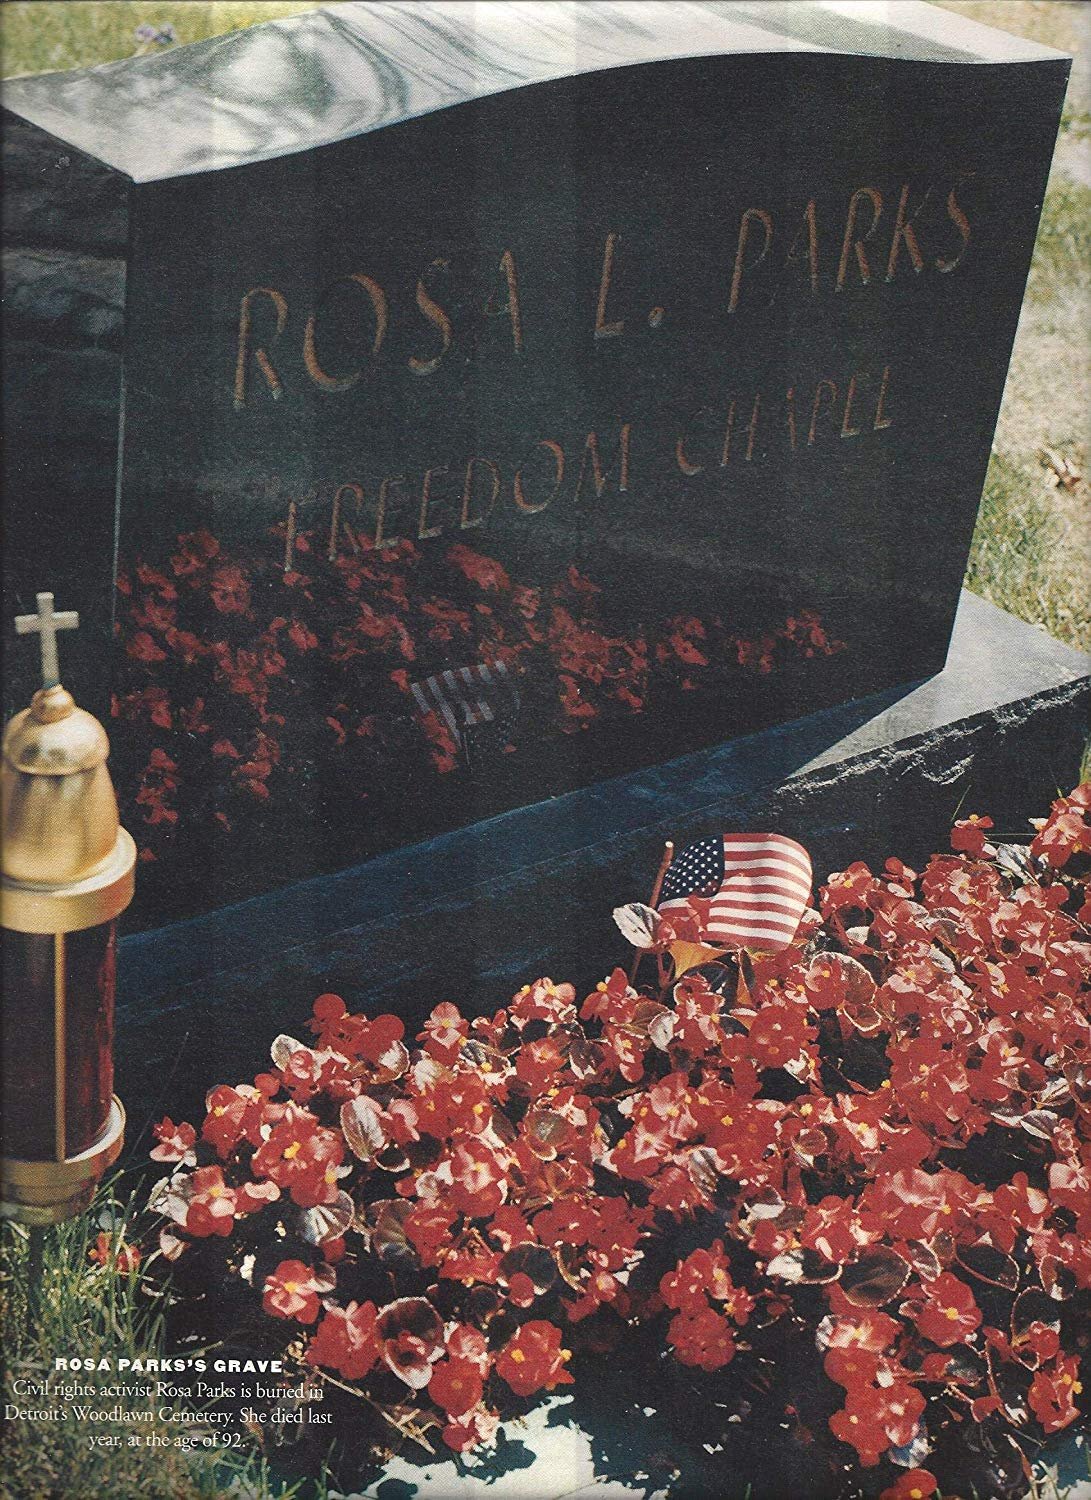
(455, 1386)
(476, 1429)
(293, 1290)
(468, 1344)
(478, 1181)
(428, 1230)
(833, 1228)
(914, 1484)
(121, 1257)
(346, 1340)
(779, 1034)
(1053, 1393)
(176, 1142)
(542, 1001)
(865, 1329)
(854, 1368)
(538, 1063)
(949, 1314)
(233, 1115)
(444, 1032)
(968, 834)
(302, 1157)
(211, 1208)
(703, 1275)
(612, 1000)
(1065, 832)
(704, 1339)
(859, 1424)
(533, 1360)
(521, 1290)
(848, 888)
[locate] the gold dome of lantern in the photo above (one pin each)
(67, 862)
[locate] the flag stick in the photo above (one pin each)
(331, 555)
(664, 865)
(289, 538)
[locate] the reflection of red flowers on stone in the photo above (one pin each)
(141, 647)
(195, 549)
(151, 578)
(575, 706)
(302, 638)
(486, 572)
(534, 1360)
(214, 632)
(230, 590)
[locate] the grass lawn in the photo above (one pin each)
(92, 1311)
(1032, 548)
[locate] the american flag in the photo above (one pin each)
(758, 886)
(467, 698)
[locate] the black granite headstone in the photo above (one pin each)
(477, 401)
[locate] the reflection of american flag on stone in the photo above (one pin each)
(758, 886)
(478, 704)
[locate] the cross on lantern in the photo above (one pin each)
(46, 623)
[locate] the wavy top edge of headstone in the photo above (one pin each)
(342, 70)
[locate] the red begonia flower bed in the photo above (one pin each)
(842, 1191)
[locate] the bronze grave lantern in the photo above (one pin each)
(67, 875)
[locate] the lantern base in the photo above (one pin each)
(40, 1193)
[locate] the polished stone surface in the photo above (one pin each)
(995, 661)
(472, 915)
(559, 295)
(343, 69)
